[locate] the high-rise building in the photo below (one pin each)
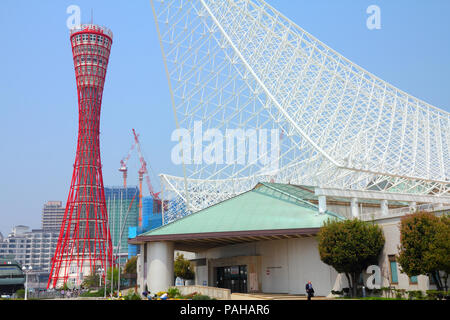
(151, 219)
(85, 245)
(52, 216)
(122, 204)
(151, 214)
(30, 248)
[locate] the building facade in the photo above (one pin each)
(265, 240)
(33, 248)
(122, 206)
(151, 219)
(52, 216)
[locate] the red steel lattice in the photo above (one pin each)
(84, 243)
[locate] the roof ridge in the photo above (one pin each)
(194, 213)
(299, 199)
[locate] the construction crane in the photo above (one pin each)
(143, 171)
(123, 164)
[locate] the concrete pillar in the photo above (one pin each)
(384, 208)
(354, 208)
(160, 266)
(140, 272)
(322, 204)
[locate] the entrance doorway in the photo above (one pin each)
(233, 278)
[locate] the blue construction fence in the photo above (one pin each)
(151, 219)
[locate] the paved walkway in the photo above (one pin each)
(272, 296)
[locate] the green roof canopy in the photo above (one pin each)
(266, 209)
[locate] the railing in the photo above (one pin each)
(213, 292)
(427, 207)
(92, 27)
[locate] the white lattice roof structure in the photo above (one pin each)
(242, 64)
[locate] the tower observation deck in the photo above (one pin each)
(241, 64)
(84, 243)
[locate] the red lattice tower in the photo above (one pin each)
(84, 244)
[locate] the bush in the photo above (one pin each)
(201, 297)
(388, 291)
(435, 294)
(20, 293)
(399, 293)
(131, 295)
(98, 293)
(415, 295)
(374, 292)
(173, 292)
(340, 293)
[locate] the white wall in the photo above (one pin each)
(305, 265)
(290, 264)
(391, 233)
(201, 275)
(274, 266)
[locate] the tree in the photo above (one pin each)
(425, 246)
(350, 246)
(131, 266)
(182, 267)
(91, 281)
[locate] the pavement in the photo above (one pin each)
(272, 296)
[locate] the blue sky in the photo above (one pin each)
(38, 101)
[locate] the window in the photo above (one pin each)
(413, 280)
(393, 269)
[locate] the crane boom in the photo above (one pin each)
(123, 164)
(143, 171)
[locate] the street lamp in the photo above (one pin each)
(27, 271)
(100, 270)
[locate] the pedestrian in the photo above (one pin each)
(309, 290)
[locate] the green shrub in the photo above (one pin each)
(435, 294)
(337, 292)
(98, 293)
(388, 291)
(201, 297)
(374, 292)
(20, 293)
(399, 293)
(173, 292)
(415, 295)
(131, 295)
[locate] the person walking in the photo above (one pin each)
(309, 290)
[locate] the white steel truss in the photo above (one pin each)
(240, 64)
